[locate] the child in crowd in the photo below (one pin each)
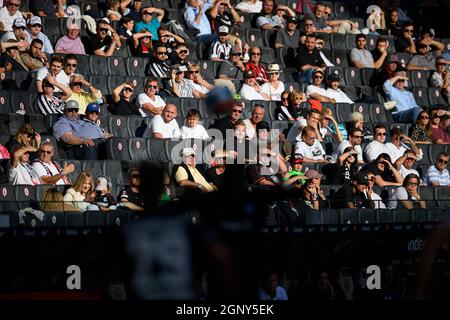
(193, 130)
(103, 197)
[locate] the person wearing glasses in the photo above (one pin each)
(346, 167)
(255, 65)
(11, 61)
(310, 148)
(105, 42)
(180, 56)
(406, 106)
(150, 104)
(354, 141)
(71, 42)
(407, 196)
(142, 43)
(35, 58)
(251, 90)
(18, 33)
(386, 174)
(220, 50)
(169, 39)
(421, 130)
(405, 163)
(35, 32)
(439, 133)
(131, 197)
(441, 77)
(405, 43)
(181, 87)
(83, 98)
(122, 104)
(274, 87)
(397, 147)
(159, 65)
(437, 174)
(425, 58)
(82, 138)
(315, 90)
(50, 171)
(377, 146)
(20, 170)
(199, 84)
(47, 102)
(149, 22)
(10, 12)
(54, 69)
(227, 122)
(288, 37)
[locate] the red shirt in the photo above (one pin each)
(258, 70)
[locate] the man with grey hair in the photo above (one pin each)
(82, 97)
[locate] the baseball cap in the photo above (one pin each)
(103, 183)
(296, 158)
(291, 20)
(333, 77)
(92, 107)
(318, 71)
(188, 151)
(263, 125)
(361, 178)
(312, 174)
(236, 51)
(273, 67)
(34, 20)
(19, 23)
(71, 104)
(249, 74)
(224, 29)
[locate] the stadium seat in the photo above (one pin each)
(443, 196)
(352, 77)
(162, 4)
(339, 58)
(360, 107)
(186, 105)
(366, 75)
(136, 126)
(351, 92)
(434, 150)
(205, 111)
(116, 66)
(99, 82)
(267, 55)
(25, 196)
(350, 40)
(404, 57)
(338, 41)
(77, 164)
(420, 215)
(342, 111)
(429, 195)
(10, 123)
(135, 66)
(269, 37)
(402, 215)
(98, 65)
(348, 216)
(313, 217)
(91, 8)
(117, 149)
(5, 101)
(391, 44)
(244, 22)
(138, 83)
(53, 220)
(435, 96)
(379, 114)
(21, 102)
(421, 96)
(156, 150)
(291, 86)
(367, 216)
(138, 149)
(336, 70)
(207, 69)
(113, 170)
(116, 218)
(371, 42)
(95, 167)
(418, 78)
(94, 219)
(37, 121)
(73, 220)
(83, 65)
(330, 216)
(7, 198)
(342, 10)
(114, 81)
(50, 25)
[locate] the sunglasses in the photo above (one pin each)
(285, 99)
(443, 161)
(409, 30)
(194, 71)
(357, 137)
(413, 184)
(128, 89)
(146, 37)
(79, 84)
(152, 87)
(103, 29)
(381, 133)
(256, 54)
(318, 77)
(135, 176)
(72, 65)
(36, 25)
(274, 73)
(237, 110)
(434, 116)
(179, 73)
(183, 51)
(45, 151)
(72, 110)
(160, 53)
(424, 117)
(308, 24)
(15, 5)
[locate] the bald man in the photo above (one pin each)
(164, 126)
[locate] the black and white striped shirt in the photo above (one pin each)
(220, 50)
(185, 88)
(47, 105)
(159, 69)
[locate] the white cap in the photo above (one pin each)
(19, 22)
(224, 29)
(34, 20)
(188, 151)
(103, 183)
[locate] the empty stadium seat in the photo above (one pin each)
(267, 55)
(371, 42)
(367, 216)
(10, 123)
(25, 196)
(348, 216)
(83, 64)
(404, 57)
(254, 38)
(435, 96)
(207, 69)
(156, 150)
(21, 102)
(135, 66)
(53, 220)
(342, 10)
(443, 197)
(5, 101)
(429, 195)
(352, 76)
(338, 42)
(269, 37)
(379, 114)
(313, 217)
(330, 216)
(50, 25)
(136, 126)
(366, 75)
(336, 70)
(402, 215)
(98, 65)
(244, 22)
(186, 105)
(418, 78)
(113, 170)
(291, 86)
(94, 219)
(95, 167)
(205, 111)
(420, 215)
(138, 149)
(421, 96)
(117, 149)
(342, 111)
(99, 82)
(116, 66)
(37, 121)
(7, 198)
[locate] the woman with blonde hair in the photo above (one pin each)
(53, 200)
(81, 194)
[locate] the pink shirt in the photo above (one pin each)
(70, 46)
(440, 133)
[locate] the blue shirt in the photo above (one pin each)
(189, 16)
(434, 175)
(80, 128)
(405, 99)
(152, 27)
(47, 47)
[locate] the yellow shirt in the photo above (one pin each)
(181, 174)
(83, 99)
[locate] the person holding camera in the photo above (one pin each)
(397, 147)
(347, 167)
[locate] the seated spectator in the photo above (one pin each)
(251, 124)
(10, 12)
(182, 87)
(295, 111)
(308, 59)
(103, 198)
(6, 45)
(92, 117)
(397, 147)
(362, 58)
(407, 196)
(180, 56)
(307, 28)
(384, 171)
(121, 100)
(20, 171)
(313, 119)
(116, 9)
(158, 66)
(46, 102)
(356, 120)
(102, 44)
(251, 90)
(405, 42)
(169, 39)
(270, 290)
(377, 146)
(407, 109)
(18, 32)
(192, 129)
(393, 25)
(64, 10)
(81, 194)
(55, 70)
(164, 126)
(346, 167)
(25, 136)
(354, 195)
(424, 59)
(82, 97)
(227, 122)
(82, 138)
(405, 163)
(439, 132)
(11, 61)
(219, 16)
(274, 87)
(296, 166)
(131, 197)
(320, 44)
(381, 50)
(149, 103)
(188, 176)
(371, 194)
(354, 141)
(440, 77)
(149, 22)
(35, 32)
(281, 112)
(232, 69)
(142, 43)
(375, 21)
(220, 50)
(215, 174)
(312, 186)
(196, 18)
(199, 84)
(421, 130)
(53, 201)
(264, 173)
(315, 90)
(34, 58)
(43, 8)
(126, 27)
(249, 6)
(255, 65)
(329, 129)
(135, 10)
(269, 20)
(333, 91)
(50, 171)
(288, 37)
(310, 148)
(263, 131)
(71, 42)
(437, 174)
(386, 72)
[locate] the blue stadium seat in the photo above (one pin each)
(117, 149)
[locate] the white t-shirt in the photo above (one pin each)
(40, 170)
(294, 133)
(249, 7)
(198, 132)
(275, 94)
(250, 130)
(168, 130)
(399, 194)
(144, 98)
(339, 96)
(374, 149)
(200, 88)
(7, 19)
(62, 77)
(344, 144)
(315, 152)
(379, 204)
(249, 93)
(23, 174)
(396, 153)
(315, 89)
(404, 172)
